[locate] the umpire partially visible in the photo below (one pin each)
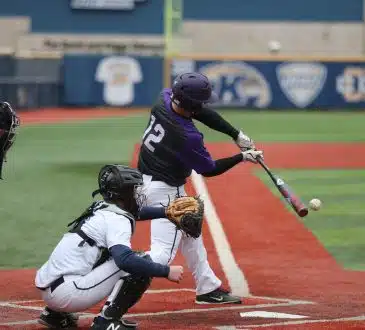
(9, 122)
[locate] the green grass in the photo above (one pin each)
(340, 224)
(53, 169)
(295, 126)
(49, 177)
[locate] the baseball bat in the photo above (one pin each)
(291, 198)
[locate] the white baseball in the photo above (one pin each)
(315, 204)
(274, 46)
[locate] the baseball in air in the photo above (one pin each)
(274, 46)
(315, 204)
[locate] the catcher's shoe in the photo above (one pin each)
(101, 323)
(218, 296)
(58, 320)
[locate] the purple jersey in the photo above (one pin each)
(172, 146)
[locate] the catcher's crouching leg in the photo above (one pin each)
(126, 293)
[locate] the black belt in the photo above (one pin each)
(55, 284)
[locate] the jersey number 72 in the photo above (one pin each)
(153, 134)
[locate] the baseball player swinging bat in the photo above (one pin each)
(293, 200)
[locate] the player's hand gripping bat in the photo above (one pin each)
(293, 200)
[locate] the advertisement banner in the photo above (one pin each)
(282, 85)
(105, 4)
(96, 80)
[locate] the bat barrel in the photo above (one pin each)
(303, 212)
(285, 191)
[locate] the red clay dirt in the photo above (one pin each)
(278, 255)
(48, 116)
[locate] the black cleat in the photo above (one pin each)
(101, 323)
(218, 296)
(57, 320)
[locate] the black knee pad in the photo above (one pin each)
(130, 292)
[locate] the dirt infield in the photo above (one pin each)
(48, 116)
(287, 268)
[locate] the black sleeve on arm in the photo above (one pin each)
(130, 262)
(151, 212)
(215, 121)
(224, 164)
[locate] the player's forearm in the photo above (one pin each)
(224, 164)
(215, 121)
(150, 212)
(130, 262)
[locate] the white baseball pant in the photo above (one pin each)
(166, 239)
(79, 293)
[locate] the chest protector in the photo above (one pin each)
(77, 224)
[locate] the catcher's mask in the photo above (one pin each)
(191, 91)
(121, 183)
(9, 121)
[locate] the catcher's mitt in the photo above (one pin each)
(187, 214)
(9, 121)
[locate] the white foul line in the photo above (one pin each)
(183, 311)
(25, 307)
(235, 276)
(169, 290)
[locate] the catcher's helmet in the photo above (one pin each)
(115, 181)
(9, 121)
(191, 90)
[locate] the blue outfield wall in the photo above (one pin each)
(282, 84)
(124, 81)
(137, 81)
(96, 80)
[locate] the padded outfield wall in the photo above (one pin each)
(256, 82)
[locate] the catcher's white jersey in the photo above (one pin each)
(107, 227)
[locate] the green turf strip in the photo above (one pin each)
(288, 126)
(352, 256)
(340, 224)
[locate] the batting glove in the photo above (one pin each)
(252, 155)
(244, 142)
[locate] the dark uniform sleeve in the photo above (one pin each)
(195, 156)
(223, 165)
(215, 121)
(129, 261)
(151, 212)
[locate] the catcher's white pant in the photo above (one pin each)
(79, 293)
(165, 239)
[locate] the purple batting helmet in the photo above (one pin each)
(191, 90)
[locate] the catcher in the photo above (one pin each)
(9, 122)
(94, 259)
